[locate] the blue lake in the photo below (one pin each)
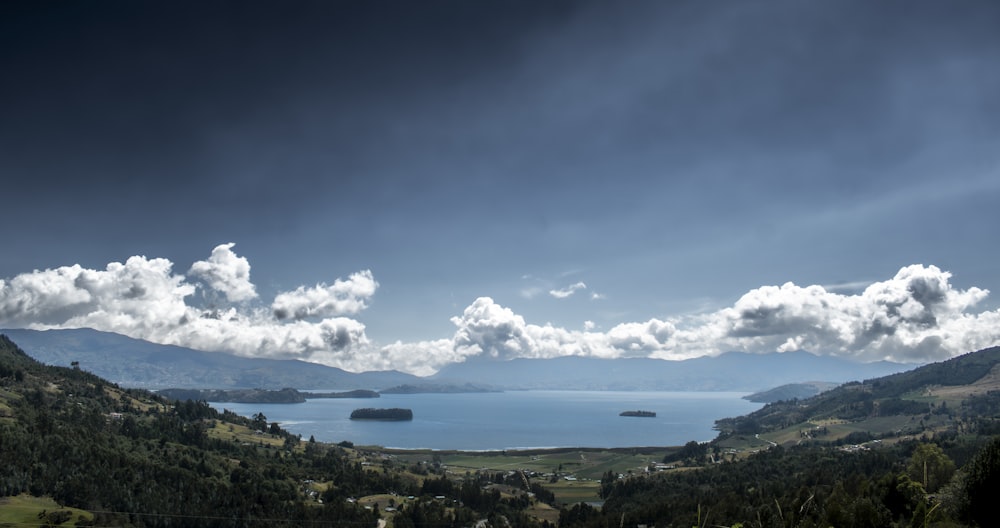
(511, 420)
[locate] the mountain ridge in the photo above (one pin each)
(731, 371)
(135, 363)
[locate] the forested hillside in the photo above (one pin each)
(942, 395)
(919, 448)
(811, 486)
(136, 459)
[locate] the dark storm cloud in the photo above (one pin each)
(132, 86)
(125, 91)
(250, 113)
(779, 80)
(237, 118)
(674, 149)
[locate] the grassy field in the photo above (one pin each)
(243, 434)
(954, 395)
(544, 512)
(141, 405)
(5, 396)
(580, 463)
(572, 492)
(25, 510)
(837, 429)
(584, 467)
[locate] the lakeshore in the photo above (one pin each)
(516, 420)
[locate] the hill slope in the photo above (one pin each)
(931, 397)
(798, 391)
(132, 458)
(136, 459)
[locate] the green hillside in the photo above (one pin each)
(920, 448)
(133, 458)
(951, 394)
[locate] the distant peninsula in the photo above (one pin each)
(360, 393)
(258, 395)
(640, 414)
(438, 388)
(393, 415)
(791, 391)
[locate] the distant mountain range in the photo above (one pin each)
(732, 371)
(135, 363)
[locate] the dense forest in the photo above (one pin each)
(810, 486)
(134, 458)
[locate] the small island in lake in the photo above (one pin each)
(641, 414)
(395, 415)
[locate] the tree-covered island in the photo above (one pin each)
(394, 414)
(640, 414)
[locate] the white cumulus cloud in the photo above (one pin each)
(915, 316)
(143, 298)
(422, 358)
(567, 291)
(487, 328)
(342, 297)
(141, 293)
(226, 272)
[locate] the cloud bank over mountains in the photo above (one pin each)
(916, 316)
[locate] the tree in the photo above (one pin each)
(259, 422)
(930, 467)
(982, 481)
(693, 453)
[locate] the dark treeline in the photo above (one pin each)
(811, 486)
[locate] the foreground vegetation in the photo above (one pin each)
(25, 510)
(915, 449)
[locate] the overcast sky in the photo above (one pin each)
(378, 185)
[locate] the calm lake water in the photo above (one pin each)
(511, 420)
